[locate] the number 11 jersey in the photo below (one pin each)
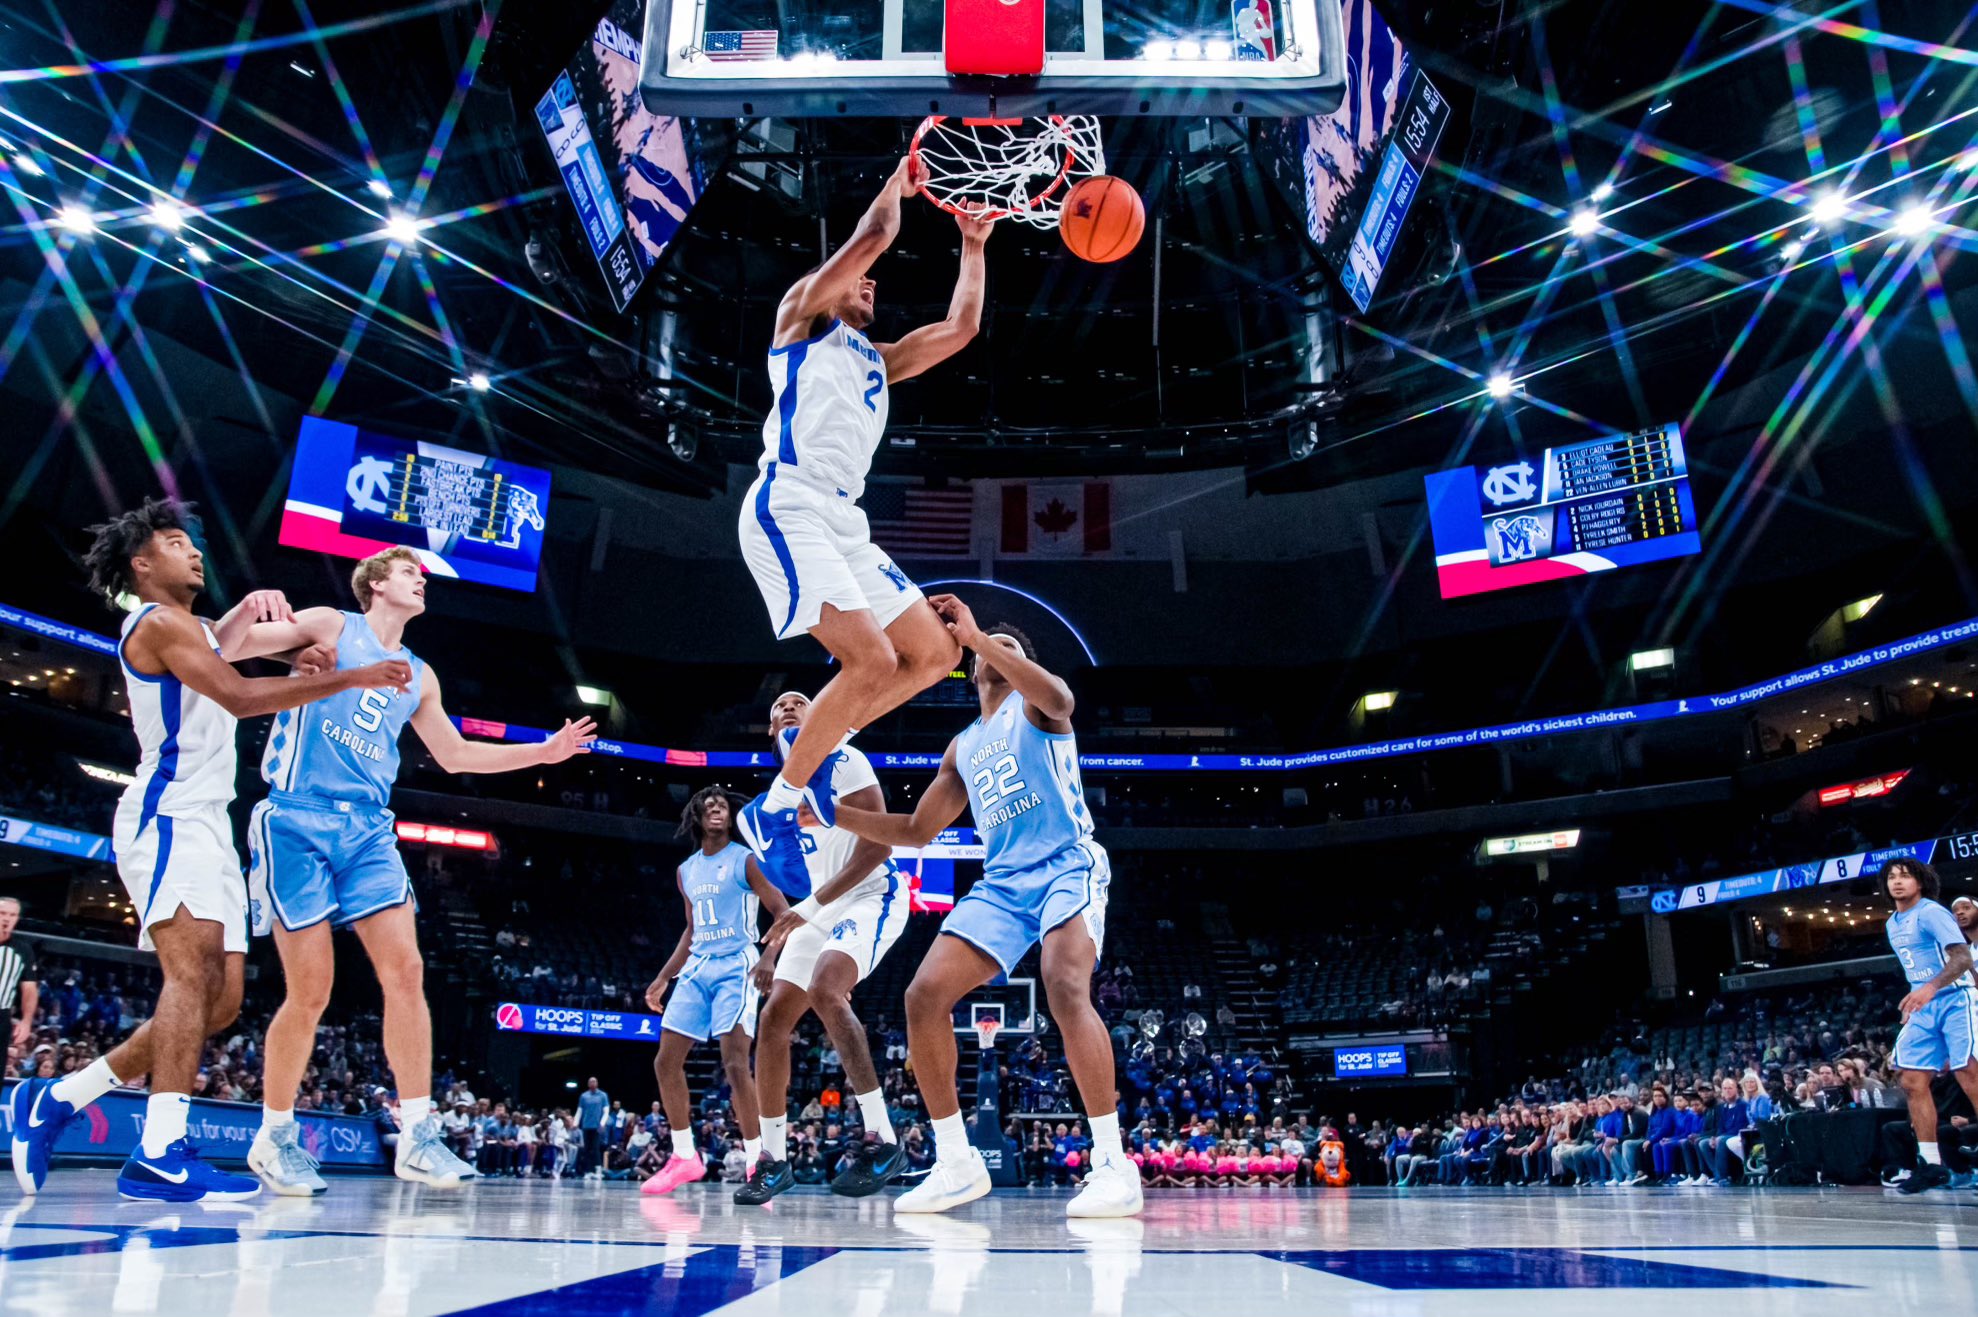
(344, 746)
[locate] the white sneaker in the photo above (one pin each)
(1640, 1177)
(1111, 1189)
(278, 1157)
(948, 1185)
(424, 1158)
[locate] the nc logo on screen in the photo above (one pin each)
(1519, 538)
(1664, 902)
(1509, 484)
(367, 483)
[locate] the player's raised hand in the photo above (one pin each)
(975, 230)
(911, 175)
(570, 739)
(268, 606)
(786, 923)
(959, 618)
(315, 660)
(392, 674)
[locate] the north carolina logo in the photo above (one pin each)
(844, 929)
(1519, 538)
(1509, 484)
(1664, 902)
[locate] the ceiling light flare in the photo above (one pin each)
(379, 188)
(1828, 208)
(1601, 193)
(1584, 223)
(1499, 386)
(165, 214)
(197, 254)
(1188, 48)
(479, 382)
(27, 165)
(1158, 50)
(75, 219)
(1913, 220)
(1218, 50)
(402, 229)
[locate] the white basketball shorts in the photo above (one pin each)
(808, 547)
(863, 924)
(185, 861)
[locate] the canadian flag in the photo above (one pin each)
(1058, 521)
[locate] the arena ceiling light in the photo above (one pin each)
(1375, 701)
(479, 382)
(197, 254)
(1500, 386)
(379, 188)
(1157, 50)
(1912, 221)
(402, 229)
(28, 165)
(165, 214)
(1860, 608)
(594, 695)
(1642, 660)
(1828, 208)
(1584, 223)
(75, 219)
(1601, 193)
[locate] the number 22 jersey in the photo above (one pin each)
(1024, 790)
(344, 746)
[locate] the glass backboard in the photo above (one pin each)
(885, 58)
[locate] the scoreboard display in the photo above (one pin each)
(1587, 507)
(354, 492)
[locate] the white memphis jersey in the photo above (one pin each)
(829, 409)
(828, 850)
(185, 741)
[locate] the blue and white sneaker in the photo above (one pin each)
(284, 1165)
(181, 1177)
(38, 1118)
(777, 840)
(817, 791)
(424, 1158)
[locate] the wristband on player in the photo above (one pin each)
(807, 909)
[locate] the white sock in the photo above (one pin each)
(86, 1085)
(782, 795)
(1928, 1152)
(950, 1139)
(752, 1151)
(272, 1119)
(1105, 1136)
(776, 1138)
(872, 1109)
(164, 1121)
(683, 1144)
(411, 1112)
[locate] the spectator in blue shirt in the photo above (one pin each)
(1732, 1118)
(592, 1105)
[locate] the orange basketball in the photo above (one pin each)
(1102, 219)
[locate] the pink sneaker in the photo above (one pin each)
(676, 1172)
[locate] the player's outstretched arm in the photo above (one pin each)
(816, 293)
(173, 642)
(454, 753)
(656, 990)
(945, 799)
(930, 345)
(772, 900)
(261, 626)
(1044, 693)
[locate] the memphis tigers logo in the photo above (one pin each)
(845, 930)
(896, 576)
(1519, 538)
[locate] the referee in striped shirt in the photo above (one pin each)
(20, 989)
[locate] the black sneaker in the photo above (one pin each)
(1926, 1176)
(770, 1178)
(876, 1166)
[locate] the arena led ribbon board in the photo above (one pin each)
(1589, 507)
(353, 492)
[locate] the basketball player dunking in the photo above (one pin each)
(710, 971)
(817, 953)
(1016, 769)
(324, 854)
(175, 849)
(803, 536)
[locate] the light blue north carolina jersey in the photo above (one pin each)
(1919, 935)
(829, 408)
(1023, 788)
(725, 906)
(344, 746)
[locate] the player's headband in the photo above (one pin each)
(788, 695)
(1965, 900)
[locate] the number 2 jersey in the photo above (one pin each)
(1918, 936)
(829, 409)
(1024, 791)
(344, 746)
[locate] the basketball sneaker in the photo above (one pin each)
(181, 1177)
(38, 1118)
(1112, 1189)
(284, 1165)
(1927, 1175)
(678, 1170)
(765, 1182)
(777, 840)
(874, 1169)
(948, 1185)
(424, 1158)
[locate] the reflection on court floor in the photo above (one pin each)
(377, 1246)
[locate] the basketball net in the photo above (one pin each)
(986, 1030)
(1018, 169)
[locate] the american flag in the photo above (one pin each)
(915, 522)
(739, 45)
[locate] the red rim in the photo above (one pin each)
(992, 212)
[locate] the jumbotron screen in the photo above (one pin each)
(354, 492)
(1588, 507)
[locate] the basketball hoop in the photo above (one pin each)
(986, 1030)
(1017, 169)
